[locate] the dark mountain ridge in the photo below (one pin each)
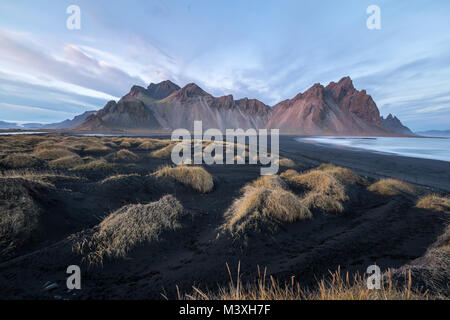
(337, 109)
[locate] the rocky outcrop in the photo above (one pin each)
(338, 109)
(395, 125)
(162, 90)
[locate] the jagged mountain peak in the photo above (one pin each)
(395, 125)
(162, 90)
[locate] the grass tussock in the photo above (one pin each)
(95, 165)
(321, 182)
(42, 178)
(125, 155)
(19, 214)
(19, 160)
(434, 202)
(265, 203)
(118, 177)
(338, 287)
(49, 154)
(289, 174)
(392, 187)
(196, 177)
(128, 228)
(163, 153)
(126, 143)
(152, 144)
(286, 162)
(315, 200)
(326, 186)
(344, 175)
(66, 163)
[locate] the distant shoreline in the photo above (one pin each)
(426, 172)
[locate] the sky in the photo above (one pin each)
(269, 50)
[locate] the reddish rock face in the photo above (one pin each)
(336, 109)
(254, 107)
(357, 102)
(188, 92)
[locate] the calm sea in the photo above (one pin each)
(427, 148)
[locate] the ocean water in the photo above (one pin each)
(426, 148)
(20, 132)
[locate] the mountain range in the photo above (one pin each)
(337, 109)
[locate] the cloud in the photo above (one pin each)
(75, 67)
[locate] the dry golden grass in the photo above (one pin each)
(66, 162)
(95, 165)
(321, 182)
(326, 186)
(128, 228)
(125, 155)
(44, 178)
(118, 177)
(125, 144)
(286, 162)
(264, 204)
(315, 200)
(268, 182)
(19, 210)
(163, 153)
(392, 187)
(344, 175)
(434, 202)
(339, 287)
(152, 144)
(196, 177)
(19, 160)
(52, 153)
(289, 174)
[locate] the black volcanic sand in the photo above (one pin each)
(388, 231)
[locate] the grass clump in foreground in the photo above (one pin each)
(326, 186)
(434, 202)
(127, 228)
(264, 203)
(196, 177)
(19, 213)
(392, 187)
(339, 287)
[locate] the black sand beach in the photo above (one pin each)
(373, 229)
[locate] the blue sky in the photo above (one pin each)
(270, 50)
